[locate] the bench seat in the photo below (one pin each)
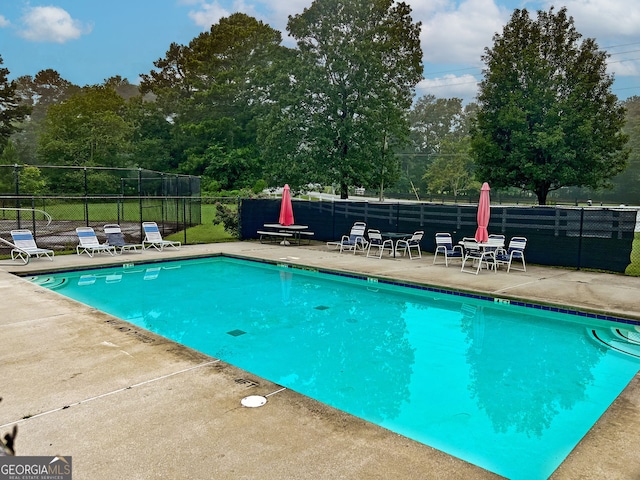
(274, 236)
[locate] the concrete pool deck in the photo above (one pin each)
(125, 403)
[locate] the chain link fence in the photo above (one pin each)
(52, 201)
(40, 180)
(53, 220)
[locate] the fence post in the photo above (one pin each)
(140, 200)
(184, 218)
(580, 238)
(86, 198)
(16, 174)
(238, 209)
(33, 216)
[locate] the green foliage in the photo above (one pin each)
(152, 136)
(11, 110)
(9, 154)
(259, 186)
(235, 168)
(627, 183)
(31, 181)
(38, 93)
(211, 89)
(633, 268)
(88, 129)
(440, 131)
(451, 175)
(547, 117)
(339, 105)
(229, 217)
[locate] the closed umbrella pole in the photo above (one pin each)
(484, 212)
(286, 208)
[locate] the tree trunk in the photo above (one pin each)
(542, 193)
(344, 191)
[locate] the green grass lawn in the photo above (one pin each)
(207, 232)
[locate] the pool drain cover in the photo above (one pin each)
(253, 401)
(236, 333)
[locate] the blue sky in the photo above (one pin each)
(89, 41)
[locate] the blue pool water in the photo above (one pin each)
(508, 388)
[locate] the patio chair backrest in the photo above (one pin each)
(375, 237)
(517, 244)
(416, 238)
(357, 231)
(112, 228)
(470, 243)
(23, 239)
(444, 240)
(152, 232)
(87, 236)
(114, 235)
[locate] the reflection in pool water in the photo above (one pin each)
(508, 388)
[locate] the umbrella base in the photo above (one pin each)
(285, 242)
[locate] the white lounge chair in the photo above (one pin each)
(89, 243)
(376, 241)
(26, 246)
(409, 244)
(116, 239)
(445, 246)
(354, 241)
(153, 238)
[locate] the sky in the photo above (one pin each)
(88, 41)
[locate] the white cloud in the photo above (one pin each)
(51, 24)
(602, 18)
(459, 34)
(615, 25)
(4, 22)
(449, 86)
(209, 13)
(628, 68)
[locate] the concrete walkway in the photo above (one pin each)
(126, 403)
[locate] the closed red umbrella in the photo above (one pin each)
(286, 209)
(484, 211)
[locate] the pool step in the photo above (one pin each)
(49, 282)
(623, 340)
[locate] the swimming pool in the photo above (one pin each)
(507, 388)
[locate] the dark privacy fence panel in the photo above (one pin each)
(598, 238)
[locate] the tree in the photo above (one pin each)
(627, 183)
(452, 171)
(342, 105)
(439, 137)
(88, 129)
(210, 90)
(547, 117)
(11, 110)
(435, 121)
(38, 93)
(151, 144)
